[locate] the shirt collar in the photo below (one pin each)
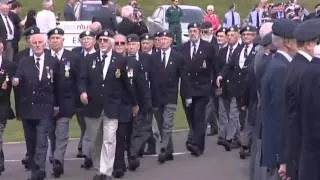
(41, 57)
(30, 52)
(59, 53)
(197, 43)
(108, 54)
(150, 52)
(286, 55)
(89, 52)
(166, 51)
(306, 55)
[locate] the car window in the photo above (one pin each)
(192, 15)
(161, 14)
(156, 13)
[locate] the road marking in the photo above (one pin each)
(79, 159)
(73, 139)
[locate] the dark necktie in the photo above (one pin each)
(38, 65)
(232, 18)
(258, 19)
(9, 27)
(245, 51)
(163, 62)
(104, 56)
(194, 51)
(230, 54)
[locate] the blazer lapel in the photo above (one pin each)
(110, 72)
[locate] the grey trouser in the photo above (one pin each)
(2, 127)
(246, 134)
(61, 132)
(165, 119)
(9, 51)
(211, 114)
(104, 142)
(82, 125)
(229, 125)
(175, 29)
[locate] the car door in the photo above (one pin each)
(151, 21)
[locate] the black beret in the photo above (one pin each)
(206, 25)
(266, 39)
(166, 34)
(194, 25)
(248, 28)
(284, 28)
(57, 31)
(31, 31)
(107, 33)
(133, 38)
(233, 28)
(222, 29)
(307, 30)
(86, 33)
(146, 36)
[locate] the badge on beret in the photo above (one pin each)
(87, 33)
(118, 73)
(106, 33)
(147, 37)
(130, 73)
(67, 70)
(248, 28)
(56, 31)
(32, 31)
(224, 29)
(195, 25)
(129, 39)
(164, 33)
(232, 29)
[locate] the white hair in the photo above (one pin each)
(126, 11)
(120, 35)
(210, 7)
(95, 26)
(265, 29)
(277, 41)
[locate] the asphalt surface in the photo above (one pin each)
(214, 164)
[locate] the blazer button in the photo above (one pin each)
(188, 74)
(32, 103)
(196, 74)
(102, 85)
(33, 92)
(239, 82)
(101, 95)
(239, 74)
(227, 80)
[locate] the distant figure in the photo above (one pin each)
(30, 19)
(76, 9)
(232, 17)
(212, 17)
(106, 16)
(173, 16)
(46, 20)
(69, 11)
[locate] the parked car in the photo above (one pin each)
(157, 22)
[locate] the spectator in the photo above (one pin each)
(232, 17)
(30, 19)
(95, 27)
(45, 19)
(212, 17)
(173, 16)
(106, 16)
(137, 13)
(69, 11)
(14, 16)
(76, 9)
(129, 25)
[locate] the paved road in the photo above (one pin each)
(215, 164)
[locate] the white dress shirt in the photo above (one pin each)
(168, 51)
(137, 56)
(242, 59)
(150, 52)
(306, 55)
(191, 47)
(9, 36)
(58, 54)
(0, 61)
(30, 52)
(46, 20)
(106, 63)
(288, 57)
(90, 52)
(41, 62)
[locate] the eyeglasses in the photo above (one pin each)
(118, 43)
(103, 40)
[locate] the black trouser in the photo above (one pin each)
(82, 125)
(195, 114)
(123, 142)
(30, 143)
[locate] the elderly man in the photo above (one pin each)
(37, 75)
(272, 96)
(103, 78)
(46, 20)
(295, 151)
(7, 70)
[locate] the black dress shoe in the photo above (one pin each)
(133, 163)
(244, 152)
(87, 164)
(41, 175)
(170, 157)
(212, 132)
(162, 157)
(118, 173)
(80, 154)
(57, 169)
(221, 141)
(2, 168)
(195, 151)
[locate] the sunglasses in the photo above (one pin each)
(118, 43)
(103, 40)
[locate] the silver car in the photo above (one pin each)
(157, 22)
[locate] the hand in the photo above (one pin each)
(84, 98)
(219, 79)
(4, 85)
(135, 110)
(283, 172)
(188, 102)
(15, 81)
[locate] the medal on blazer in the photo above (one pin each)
(7, 78)
(48, 72)
(204, 64)
(94, 64)
(118, 73)
(67, 70)
(130, 73)
(51, 74)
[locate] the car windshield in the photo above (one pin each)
(192, 15)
